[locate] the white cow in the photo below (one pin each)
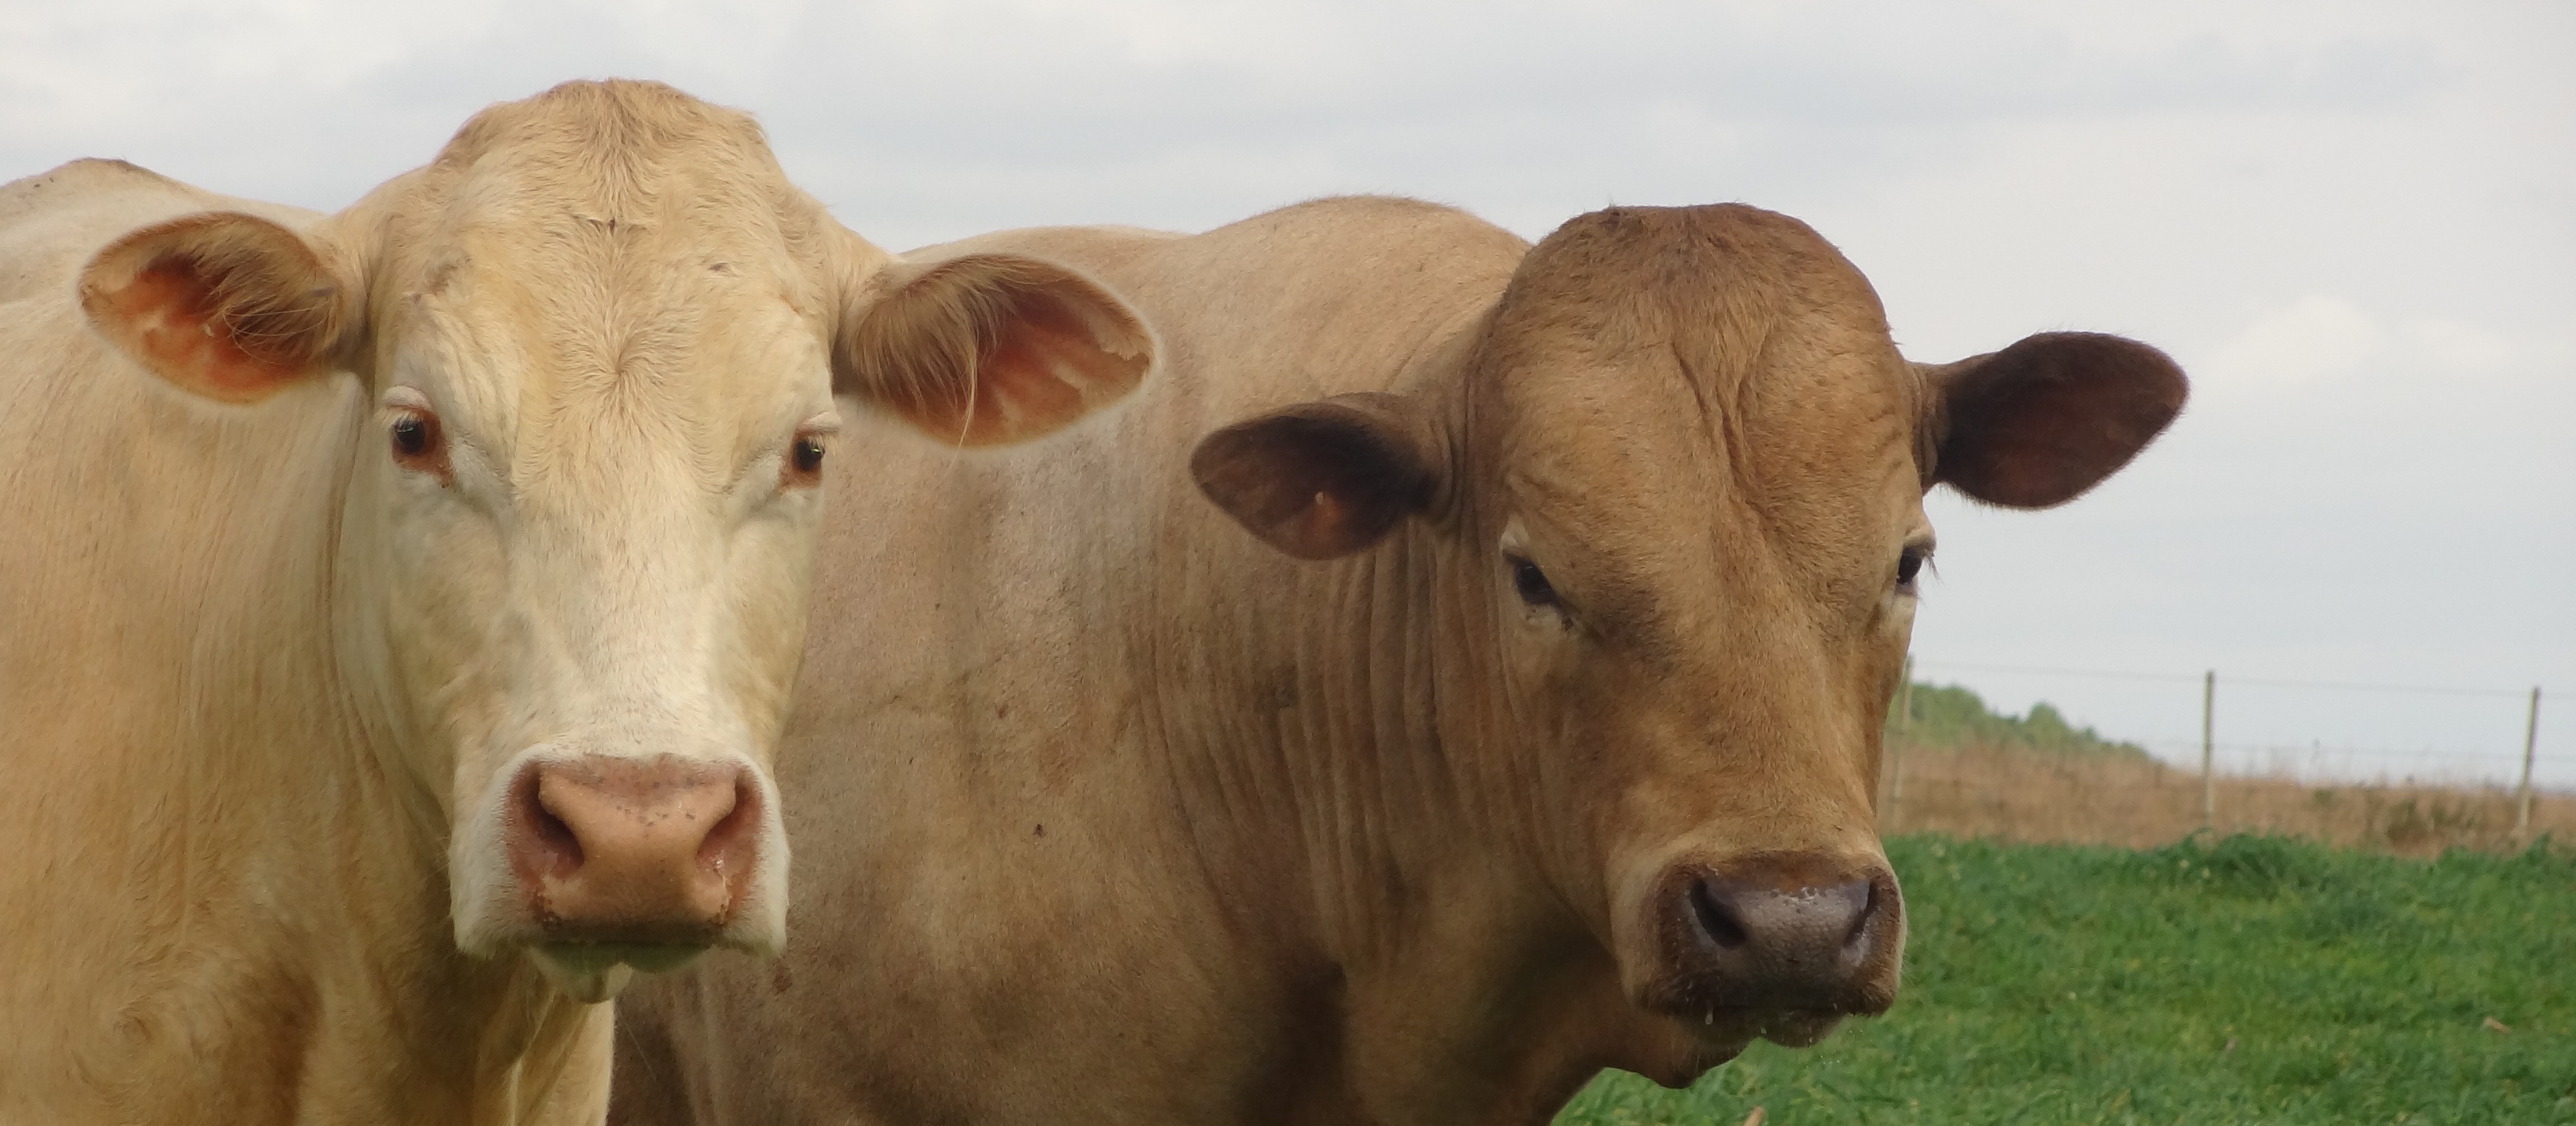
(398, 608)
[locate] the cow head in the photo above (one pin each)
(1678, 482)
(599, 341)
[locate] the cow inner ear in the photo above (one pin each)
(2044, 420)
(225, 305)
(991, 349)
(1322, 479)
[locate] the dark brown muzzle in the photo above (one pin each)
(1780, 935)
(623, 850)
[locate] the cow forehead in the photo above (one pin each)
(1698, 398)
(613, 260)
(1721, 351)
(535, 361)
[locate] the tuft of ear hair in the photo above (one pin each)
(221, 304)
(1321, 479)
(990, 349)
(2046, 419)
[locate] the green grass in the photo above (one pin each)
(2252, 979)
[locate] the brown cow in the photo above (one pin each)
(1533, 730)
(398, 608)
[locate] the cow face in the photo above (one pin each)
(1681, 495)
(583, 498)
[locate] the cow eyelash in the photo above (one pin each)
(1532, 585)
(418, 442)
(804, 463)
(801, 467)
(1909, 566)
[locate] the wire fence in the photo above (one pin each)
(2288, 744)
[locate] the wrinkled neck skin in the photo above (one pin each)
(279, 945)
(1441, 866)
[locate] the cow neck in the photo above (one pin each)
(303, 905)
(1306, 749)
(1447, 889)
(1360, 766)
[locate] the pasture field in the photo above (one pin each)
(1985, 790)
(1970, 771)
(2246, 979)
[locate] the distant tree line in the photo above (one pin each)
(1947, 715)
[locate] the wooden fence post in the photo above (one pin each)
(2530, 741)
(2208, 779)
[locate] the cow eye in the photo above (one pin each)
(417, 443)
(1531, 583)
(1909, 563)
(804, 462)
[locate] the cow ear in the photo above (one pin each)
(2042, 421)
(1323, 479)
(225, 305)
(989, 349)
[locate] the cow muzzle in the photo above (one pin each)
(1780, 947)
(606, 864)
(628, 851)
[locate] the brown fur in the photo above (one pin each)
(1111, 812)
(2029, 426)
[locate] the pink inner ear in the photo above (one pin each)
(1044, 371)
(1317, 480)
(169, 314)
(1323, 529)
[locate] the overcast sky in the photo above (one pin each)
(2352, 222)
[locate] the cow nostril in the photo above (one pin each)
(731, 829)
(1861, 931)
(557, 845)
(558, 836)
(1716, 919)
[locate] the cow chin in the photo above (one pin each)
(592, 972)
(602, 865)
(1725, 1033)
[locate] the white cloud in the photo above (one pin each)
(2320, 336)
(2457, 344)
(2313, 336)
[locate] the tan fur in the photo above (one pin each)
(262, 679)
(959, 323)
(268, 302)
(1110, 812)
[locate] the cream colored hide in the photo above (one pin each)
(1559, 755)
(1532, 729)
(398, 608)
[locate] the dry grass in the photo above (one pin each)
(2022, 795)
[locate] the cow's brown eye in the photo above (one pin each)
(418, 445)
(1909, 563)
(1531, 583)
(804, 466)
